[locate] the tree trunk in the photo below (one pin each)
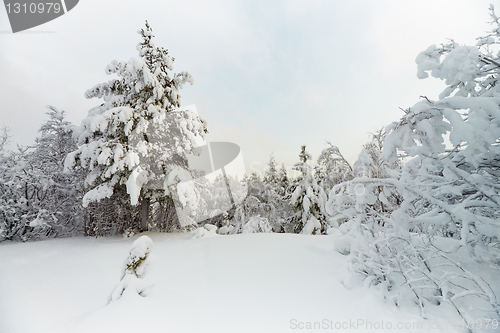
(226, 180)
(171, 218)
(145, 214)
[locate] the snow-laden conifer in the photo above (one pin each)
(307, 199)
(138, 136)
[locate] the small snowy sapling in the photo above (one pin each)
(135, 268)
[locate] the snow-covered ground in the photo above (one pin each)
(240, 283)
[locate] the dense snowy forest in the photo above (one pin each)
(418, 208)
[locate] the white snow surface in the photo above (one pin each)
(239, 283)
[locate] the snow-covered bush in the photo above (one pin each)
(332, 168)
(37, 199)
(208, 230)
(446, 202)
(257, 224)
(412, 268)
(136, 266)
(370, 195)
(261, 200)
(64, 194)
(227, 228)
(455, 188)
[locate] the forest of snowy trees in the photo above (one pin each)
(422, 189)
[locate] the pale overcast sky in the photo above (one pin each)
(269, 76)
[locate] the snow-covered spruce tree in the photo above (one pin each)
(270, 172)
(276, 181)
(138, 137)
(283, 181)
(307, 199)
(275, 184)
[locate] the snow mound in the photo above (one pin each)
(208, 230)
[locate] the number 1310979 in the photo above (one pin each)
(27, 8)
